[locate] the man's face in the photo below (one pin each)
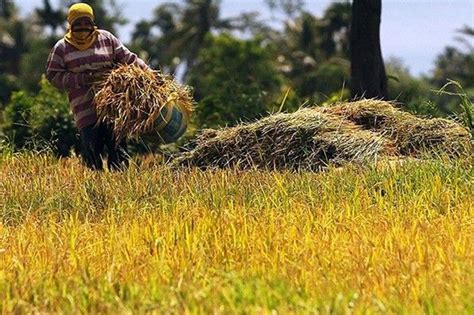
(82, 27)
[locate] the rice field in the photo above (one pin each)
(381, 239)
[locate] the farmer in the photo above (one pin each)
(77, 61)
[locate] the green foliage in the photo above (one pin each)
(234, 80)
(12, 45)
(7, 8)
(50, 17)
(33, 63)
(413, 94)
(334, 29)
(288, 7)
(313, 52)
(40, 121)
(16, 118)
(177, 32)
(466, 105)
(329, 78)
(24, 49)
(5, 146)
(8, 83)
(455, 64)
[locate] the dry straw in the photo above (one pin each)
(307, 139)
(313, 138)
(412, 135)
(132, 99)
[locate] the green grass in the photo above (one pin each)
(391, 238)
(465, 104)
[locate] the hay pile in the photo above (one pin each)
(313, 138)
(307, 139)
(131, 99)
(412, 135)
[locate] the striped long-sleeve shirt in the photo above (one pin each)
(70, 69)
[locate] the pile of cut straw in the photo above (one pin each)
(131, 99)
(307, 139)
(412, 135)
(313, 138)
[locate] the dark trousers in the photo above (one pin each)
(94, 140)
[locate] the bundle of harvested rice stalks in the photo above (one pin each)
(307, 139)
(313, 138)
(412, 134)
(138, 102)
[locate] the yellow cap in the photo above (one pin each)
(79, 10)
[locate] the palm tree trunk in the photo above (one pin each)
(368, 77)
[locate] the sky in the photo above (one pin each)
(415, 31)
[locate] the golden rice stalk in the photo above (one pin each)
(131, 99)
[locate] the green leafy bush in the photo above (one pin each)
(411, 93)
(326, 81)
(41, 121)
(16, 117)
(234, 80)
(8, 83)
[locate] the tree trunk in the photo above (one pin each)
(368, 77)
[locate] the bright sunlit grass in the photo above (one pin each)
(384, 239)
